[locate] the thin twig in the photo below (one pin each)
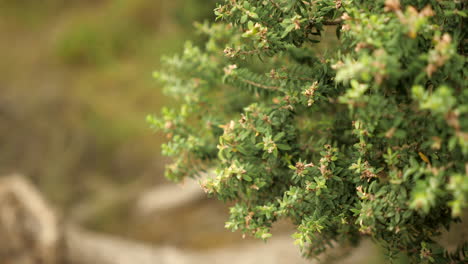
(332, 22)
(259, 85)
(275, 4)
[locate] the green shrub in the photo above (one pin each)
(369, 138)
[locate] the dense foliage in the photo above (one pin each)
(369, 138)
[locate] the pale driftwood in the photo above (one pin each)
(168, 197)
(89, 248)
(29, 230)
(171, 196)
(31, 234)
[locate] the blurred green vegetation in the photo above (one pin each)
(119, 32)
(75, 88)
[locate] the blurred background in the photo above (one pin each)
(75, 87)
